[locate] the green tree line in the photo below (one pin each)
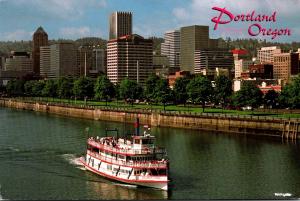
(197, 90)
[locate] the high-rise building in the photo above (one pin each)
(212, 59)
(192, 38)
(129, 56)
(45, 59)
(99, 61)
(171, 48)
(19, 61)
(63, 57)
(240, 66)
(285, 65)
(85, 59)
(91, 61)
(266, 54)
(2, 62)
(262, 71)
(213, 43)
(120, 24)
(40, 38)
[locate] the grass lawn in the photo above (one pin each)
(176, 108)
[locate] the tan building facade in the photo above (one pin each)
(19, 61)
(129, 56)
(285, 65)
(45, 61)
(171, 48)
(240, 66)
(266, 54)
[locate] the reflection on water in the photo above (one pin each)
(112, 190)
(39, 154)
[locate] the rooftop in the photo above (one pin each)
(40, 30)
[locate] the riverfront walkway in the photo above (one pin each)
(190, 110)
(255, 125)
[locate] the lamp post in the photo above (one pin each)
(137, 71)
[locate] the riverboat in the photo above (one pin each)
(134, 159)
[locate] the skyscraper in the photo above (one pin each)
(129, 56)
(19, 61)
(171, 48)
(63, 57)
(85, 59)
(45, 61)
(91, 61)
(285, 65)
(99, 61)
(120, 24)
(211, 59)
(192, 38)
(266, 54)
(40, 38)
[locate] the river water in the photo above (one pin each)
(38, 155)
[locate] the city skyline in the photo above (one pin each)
(72, 19)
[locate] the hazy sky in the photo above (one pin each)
(73, 19)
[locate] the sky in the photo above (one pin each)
(73, 19)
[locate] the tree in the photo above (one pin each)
(249, 95)
(15, 87)
(2, 89)
(223, 90)
(163, 93)
(104, 89)
(50, 89)
(83, 87)
(28, 88)
(19, 87)
(130, 90)
(37, 88)
(150, 87)
(290, 94)
(200, 90)
(10, 87)
(181, 95)
(271, 99)
(117, 91)
(65, 87)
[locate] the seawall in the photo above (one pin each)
(249, 125)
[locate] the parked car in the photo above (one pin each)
(247, 108)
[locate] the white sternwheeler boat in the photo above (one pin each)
(132, 160)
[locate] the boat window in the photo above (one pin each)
(137, 141)
(137, 172)
(148, 141)
(109, 167)
(95, 150)
(121, 157)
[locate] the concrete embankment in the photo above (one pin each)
(250, 125)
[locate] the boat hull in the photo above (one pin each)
(159, 184)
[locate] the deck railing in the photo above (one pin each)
(134, 164)
(110, 148)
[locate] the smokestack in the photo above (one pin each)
(137, 127)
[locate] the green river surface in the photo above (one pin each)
(39, 152)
